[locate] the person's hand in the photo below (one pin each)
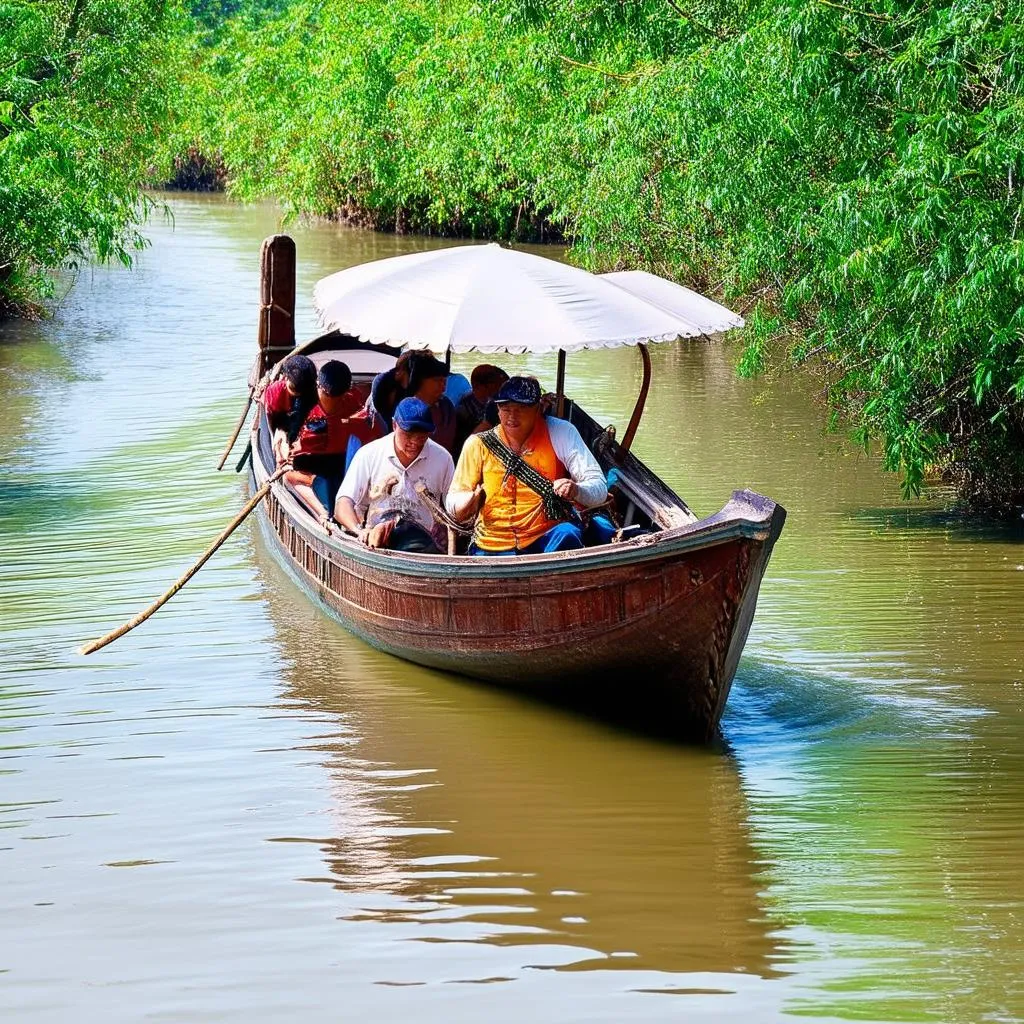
(377, 536)
(280, 447)
(566, 488)
(324, 519)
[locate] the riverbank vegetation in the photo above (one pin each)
(849, 172)
(80, 94)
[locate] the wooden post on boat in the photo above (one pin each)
(560, 385)
(275, 332)
(638, 410)
(277, 300)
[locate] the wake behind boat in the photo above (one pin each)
(660, 617)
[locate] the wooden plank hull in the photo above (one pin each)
(657, 623)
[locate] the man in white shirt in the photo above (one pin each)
(379, 498)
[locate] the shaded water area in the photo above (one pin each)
(241, 813)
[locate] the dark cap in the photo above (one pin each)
(423, 365)
(521, 390)
(412, 414)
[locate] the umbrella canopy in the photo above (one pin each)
(709, 316)
(484, 298)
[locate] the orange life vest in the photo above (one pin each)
(513, 515)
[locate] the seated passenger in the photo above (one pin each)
(427, 379)
(455, 387)
(388, 389)
(469, 412)
(318, 454)
(287, 401)
(379, 499)
(529, 473)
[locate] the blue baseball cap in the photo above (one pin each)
(412, 414)
(521, 390)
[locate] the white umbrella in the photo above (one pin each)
(484, 298)
(709, 316)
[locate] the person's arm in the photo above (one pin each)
(275, 405)
(280, 447)
(353, 491)
(345, 513)
(352, 495)
(303, 485)
(585, 484)
(466, 493)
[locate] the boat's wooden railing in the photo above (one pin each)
(641, 488)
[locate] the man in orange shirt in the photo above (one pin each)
(529, 473)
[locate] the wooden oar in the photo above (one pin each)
(109, 638)
(238, 430)
(240, 465)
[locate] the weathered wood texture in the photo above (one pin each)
(667, 629)
(276, 330)
(659, 621)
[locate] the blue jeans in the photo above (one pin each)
(563, 537)
(325, 485)
(326, 488)
(600, 530)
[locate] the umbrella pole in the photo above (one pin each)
(560, 385)
(638, 409)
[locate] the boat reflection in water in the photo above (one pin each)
(467, 813)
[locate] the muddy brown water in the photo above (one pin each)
(241, 813)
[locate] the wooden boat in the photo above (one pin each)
(659, 620)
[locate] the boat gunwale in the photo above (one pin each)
(718, 528)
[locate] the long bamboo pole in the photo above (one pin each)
(246, 455)
(238, 430)
(110, 637)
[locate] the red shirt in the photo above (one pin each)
(277, 399)
(324, 434)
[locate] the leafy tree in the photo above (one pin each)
(79, 99)
(851, 168)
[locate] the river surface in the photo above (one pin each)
(239, 812)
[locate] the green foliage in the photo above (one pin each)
(853, 169)
(856, 169)
(78, 102)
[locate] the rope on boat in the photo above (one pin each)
(556, 507)
(441, 515)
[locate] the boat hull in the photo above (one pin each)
(657, 623)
